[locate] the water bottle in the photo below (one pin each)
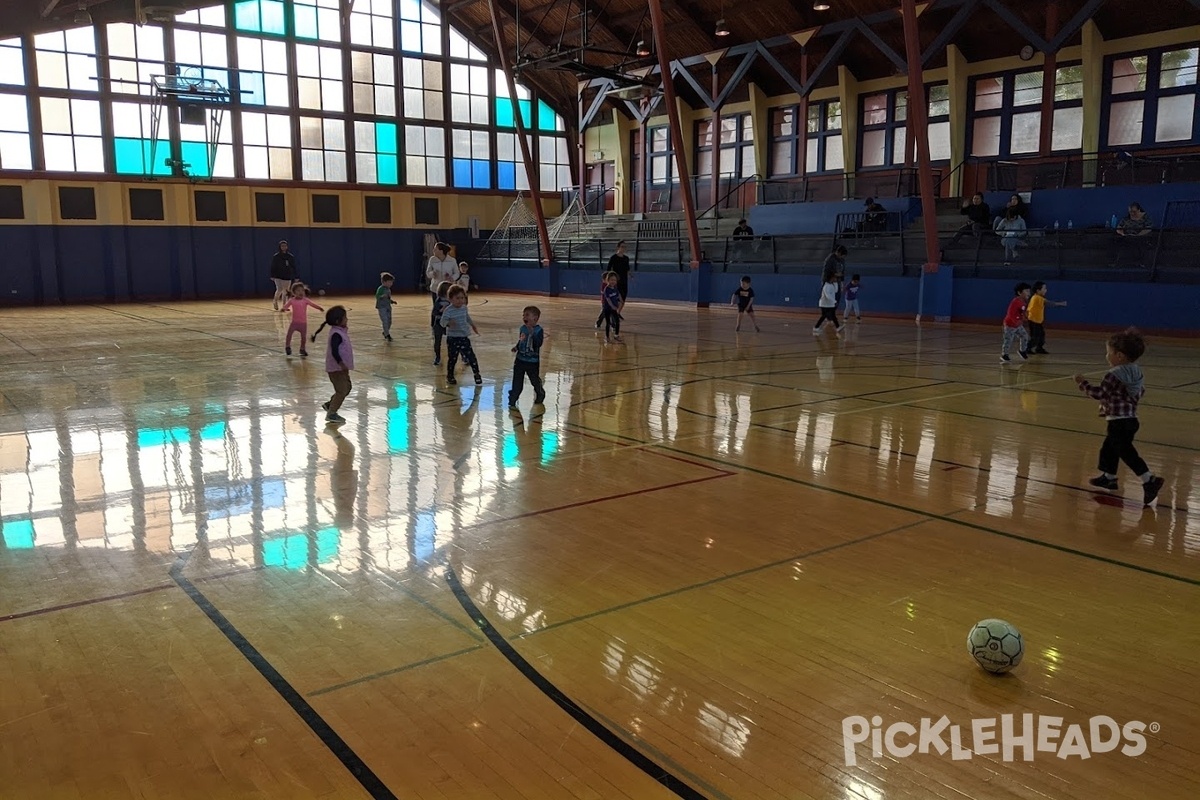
(1114, 220)
(1070, 224)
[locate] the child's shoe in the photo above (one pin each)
(304, 354)
(287, 351)
(1150, 490)
(1005, 358)
(437, 362)
(1105, 482)
(478, 379)
(325, 406)
(1023, 354)
(334, 419)
(450, 378)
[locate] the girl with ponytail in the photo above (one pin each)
(339, 360)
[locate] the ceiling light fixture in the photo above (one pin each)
(643, 49)
(82, 17)
(820, 5)
(722, 28)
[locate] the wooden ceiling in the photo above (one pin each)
(616, 26)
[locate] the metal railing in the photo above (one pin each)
(1076, 171)
(741, 190)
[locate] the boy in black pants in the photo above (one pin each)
(1119, 393)
(528, 360)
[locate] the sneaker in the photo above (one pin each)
(387, 336)
(1005, 358)
(451, 379)
(478, 379)
(325, 406)
(334, 419)
(1023, 354)
(840, 328)
(437, 362)
(539, 399)
(1103, 482)
(287, 351)
(757, 329)
(512, 405)
(1041, 351)
(304, 354)
(618, 339)
(858, 319)
(1150, 490)
(816, 331)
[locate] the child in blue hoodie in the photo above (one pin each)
(1119, 393)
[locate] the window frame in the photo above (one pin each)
(1151, 97)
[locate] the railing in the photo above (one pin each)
(668, 197)
(740, 191)
(1076, 171)
(595, 198)
(805, 189)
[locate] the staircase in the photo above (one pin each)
(949, 217)
(614, 227)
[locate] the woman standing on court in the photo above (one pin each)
(283, 273)
(441, 267)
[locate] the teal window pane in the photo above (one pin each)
(133, 157)
(387, 169)
(272, 17)
(195, 155)
(545, 117)
(526, 112)
(246, 17)
(504, 113)
(18, 534)
(385, 138)
(306, 21)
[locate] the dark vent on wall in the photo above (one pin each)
(77, 202)
(12, 202)
(426, 210)
(379, 210)
(325, 208)
(269, 207)
(210, 206)
(146, 204)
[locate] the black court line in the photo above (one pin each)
(927, 514)
(394, 671)
(315, 722)
(586, 720)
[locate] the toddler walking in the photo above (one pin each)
(528, 360)
(612, 303)
(299, 304)
(384, 302)
(852, 299)
(1119, 394)
(440, 304)
(339, 360)
(459, 325)
(1036, 313)
(744, 297)
(1014, 324)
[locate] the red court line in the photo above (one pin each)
(91, 601)
(593, 501)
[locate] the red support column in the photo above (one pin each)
(802, 123)
(918, 113)
(643, 169)
(1051, 65)
(715, 131)
(531, 169)
(685, 183)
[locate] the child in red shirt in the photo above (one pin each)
(1014, 324)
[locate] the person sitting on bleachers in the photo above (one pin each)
(979, 218)
(1133, 233)
(1011, 230)
(874, 217)
(1017, 204)
(743, 230)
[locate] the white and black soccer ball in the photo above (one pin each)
(995, 645)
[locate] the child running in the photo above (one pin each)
(339, 360)
(384, 302)
(1036, 314)
(1014, 324)
(464, 278)
(611, 300)
(1119, 393)
(828, 303)
(852, 299)
(744, 297)
(459, 325)
(299, 303)
(528, 360)
(440, 304)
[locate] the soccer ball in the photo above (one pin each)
(995, 645)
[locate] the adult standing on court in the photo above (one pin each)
(618, 262)
(834, 270)
(283, 272)
(441, 267)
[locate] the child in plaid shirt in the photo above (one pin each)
(1119, 393)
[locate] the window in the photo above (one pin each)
(135, 54)
(196, 157)
(71, 135)
(317, 19)
(420, 28)
(322, 149)
(12, 62)
(267, 146)
(554, 162)
(202, 55)
(134, 149)
(269, 207)
(461, 48)
(259, 16)
(77, 202)
(1066, 127)
(15, 152)
(1151, 98)
(423, 89)
(472, 159)
(735, 148)
(785, 142)
(661, 155)
(67, 59)
(510, 167)
(374, 80)
(372, 24)
(319, 81)
(505, 113)
(824, 141)
(377, 155)
(211, 16)
(469, 94)
(1006, 114)
(885, 127)
(548, 120)
(262, 72)
(425, 156)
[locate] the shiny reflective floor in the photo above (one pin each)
(679, 579)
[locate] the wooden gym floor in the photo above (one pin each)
(679, 580)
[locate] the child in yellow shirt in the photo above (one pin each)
(1036, 314)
